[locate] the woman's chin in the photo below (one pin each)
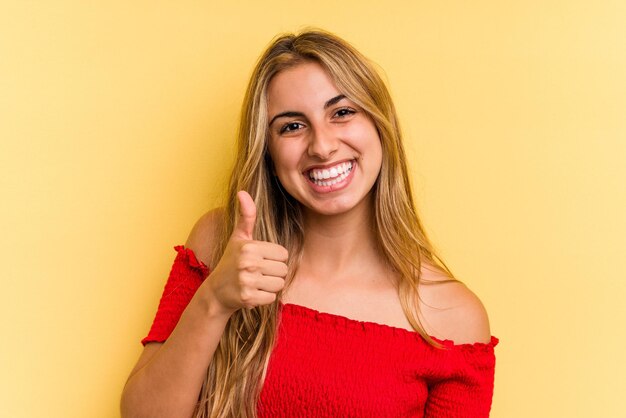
(334, 207)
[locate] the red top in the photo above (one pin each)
(326, 365)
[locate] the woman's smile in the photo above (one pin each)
(332, 178)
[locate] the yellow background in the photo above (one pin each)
(116, 125)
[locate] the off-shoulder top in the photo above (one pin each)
(327, 365)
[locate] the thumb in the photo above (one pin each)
(247, 216)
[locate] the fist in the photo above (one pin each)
(250, 273)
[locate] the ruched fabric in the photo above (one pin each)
(327, 365)
(186, 276)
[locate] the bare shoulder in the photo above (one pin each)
(203, 236)
(451, 311)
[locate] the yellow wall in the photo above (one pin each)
(116, 120)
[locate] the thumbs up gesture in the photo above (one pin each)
(250, 272)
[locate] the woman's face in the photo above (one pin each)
(325, 149)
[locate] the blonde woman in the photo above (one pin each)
(315, 291)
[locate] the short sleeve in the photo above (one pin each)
(186, 276)
(468, 391)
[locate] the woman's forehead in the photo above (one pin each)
(305, 85)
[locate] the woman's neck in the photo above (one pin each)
(342, 243)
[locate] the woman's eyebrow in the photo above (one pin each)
(291, 113)
(334, 100)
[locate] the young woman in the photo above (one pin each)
(315, 292)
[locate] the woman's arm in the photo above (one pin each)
(168, 377)
(453, 312)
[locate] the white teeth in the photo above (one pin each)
(338, 174)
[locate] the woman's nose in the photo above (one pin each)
(323, 143)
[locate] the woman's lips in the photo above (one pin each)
(340, 180)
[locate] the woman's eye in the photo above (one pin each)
(344, 112)
(289, 127)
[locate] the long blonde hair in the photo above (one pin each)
(236, 372)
